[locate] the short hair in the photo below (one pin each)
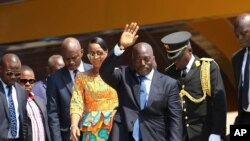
(52, 58)
(26, 68)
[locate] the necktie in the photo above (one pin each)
(75, 72)
(143, 95)
(184, 72)
(12, 113)
(246, 83)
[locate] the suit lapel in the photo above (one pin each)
(192, 71)
(153, 88)
(67, 79)
(39, 105)
(4, 99)
(238, 73)
(135, 87)
(19, 99)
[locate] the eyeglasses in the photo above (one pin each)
(91, 55)
(10, 73)
(24, 81)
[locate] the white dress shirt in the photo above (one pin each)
(80, 69)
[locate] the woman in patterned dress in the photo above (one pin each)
(93, 100)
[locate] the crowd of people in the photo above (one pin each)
(103, 101)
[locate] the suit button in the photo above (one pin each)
(186, 117)
(187, 125)
(184, 109)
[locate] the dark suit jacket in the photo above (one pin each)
(161, 118)
(209, 116)
(39, 89)
(237, 61)
(4, 116)
(59, 91)
(40, 103)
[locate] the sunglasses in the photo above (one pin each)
(24, 81)
(10, 73)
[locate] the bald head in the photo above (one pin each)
(10, 58)
(71, 53)
(55, 62)
(70, 43)
(242, 29)
(10, 68)
(143, 46)
(243, 18)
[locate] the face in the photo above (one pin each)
(10, 72)
(242, 32)
(182, 60)
(72, 58)
(27, 80)
(143, 60)
(96, 55)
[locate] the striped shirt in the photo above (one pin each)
(38, 133)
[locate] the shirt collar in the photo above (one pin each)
(149, 76)
(190, 63)
(80, 68)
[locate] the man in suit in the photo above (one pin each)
(201, 90)
(13, 99)
(149, 104)
(55, 62)
(240, 61)
(59, 89)
(36, 117)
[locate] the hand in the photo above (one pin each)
(129, 36)
(75, 132)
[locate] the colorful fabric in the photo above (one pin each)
(95, 102)
(34, 114)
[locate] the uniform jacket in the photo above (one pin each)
(208, 117)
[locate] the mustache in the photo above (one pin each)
(144, 66)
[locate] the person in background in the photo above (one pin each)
(201, 89)
(13, 99)
(55, 62)
(92, 99)
(149, 105)
(36, 120)
(240, 62)
(59, 89)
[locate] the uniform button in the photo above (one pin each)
(183, 101)
(184, 109)
(186, 117)
(187, 125)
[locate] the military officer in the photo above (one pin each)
(201, 89)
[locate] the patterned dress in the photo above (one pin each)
(95, 102)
